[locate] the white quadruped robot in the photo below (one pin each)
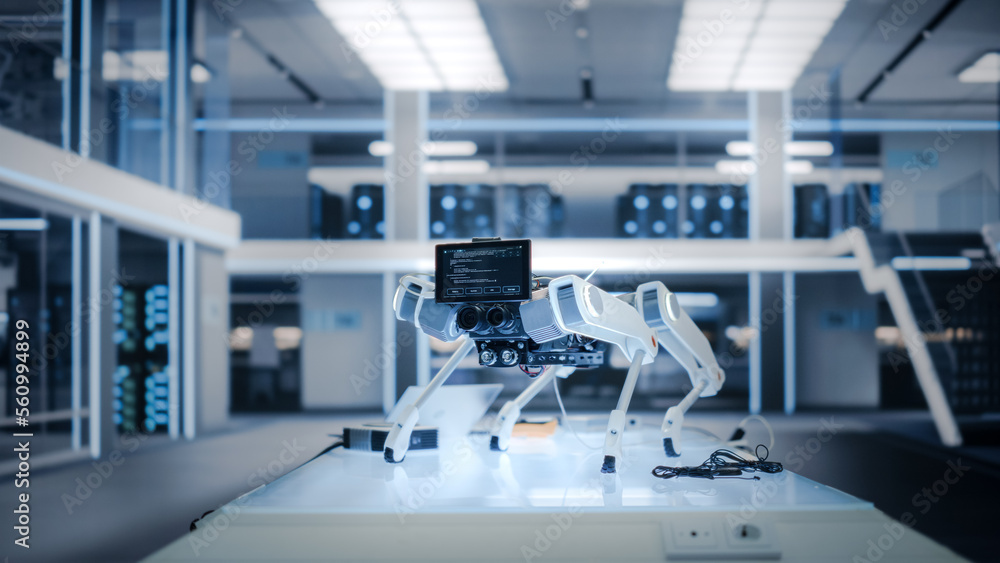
(485, 297)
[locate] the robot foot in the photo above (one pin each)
(609, 464)
(668, 447)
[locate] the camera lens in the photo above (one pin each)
(508, 357)
(499, 317)
(487, 357)
(470, 318)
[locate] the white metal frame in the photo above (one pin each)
(188, 349)
(94, 334)
(885, 280)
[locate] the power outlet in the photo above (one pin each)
(702, 538)
(695, 535)
(751, 537)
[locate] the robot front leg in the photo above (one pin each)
(616, 422)
(398, 441)
(674, 420)
(511, 411)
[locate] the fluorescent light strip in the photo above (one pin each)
(456, 167)
(749, 167)
(693, 300)
(984, 70)
(431, 148)
(931, 263)
(753, 45)
(23, 224)
(428, 45)
(792, 148)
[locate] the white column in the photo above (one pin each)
(188, 297)
(86, 55)
(94, 335)
(67, 82)
(406, 212)
(76, 335)
(756, 372)
(789, 343)
(770, 193)
(406, 190)
(174, 337)
(389, 283)
(770, 188)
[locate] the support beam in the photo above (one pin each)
(789, 341)
(406, 190)
(102, 358)
(76, 335)
(770, 192)
(406, 215)
(188, 298)
(174, 337)
(94, 335)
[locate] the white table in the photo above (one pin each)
(544, 500)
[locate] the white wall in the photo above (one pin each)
(835, 365)
(212, 355)
(918, 166)
(342, 341)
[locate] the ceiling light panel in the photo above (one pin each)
(984, 70)
(428, 45)
(725, 45)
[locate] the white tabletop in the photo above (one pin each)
(535, 474)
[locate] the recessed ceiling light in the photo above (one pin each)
(792, 148)
(431, 148)
(749, 45)
(200, 73)
(984, 70)
(456, 167)
(23, 224)
(429, 45)
(749, 167)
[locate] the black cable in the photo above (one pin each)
(723, 463)
(329, 448)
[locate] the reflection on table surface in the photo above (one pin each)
(534, 474)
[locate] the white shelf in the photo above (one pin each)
(52, 173)
(623, 256)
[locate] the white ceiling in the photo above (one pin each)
(627, 49)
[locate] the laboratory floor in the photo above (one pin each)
(159, 487)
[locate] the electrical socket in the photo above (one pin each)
(697, 535)
(753, 536)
